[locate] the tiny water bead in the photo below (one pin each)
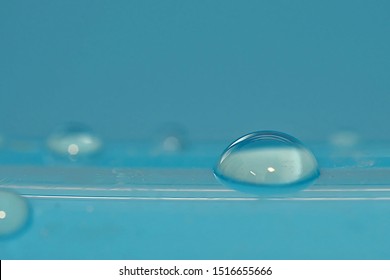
(172, 144)
(171, 139)
(13, 212)
(267, 161)
(344, 139)
(74, 140)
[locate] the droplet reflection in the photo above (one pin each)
(267, 161)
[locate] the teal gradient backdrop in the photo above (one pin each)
(219, 68)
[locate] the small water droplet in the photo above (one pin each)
(13, 212)
(172, 144)
(3, 214)
(267, 161)
(344, 139)
(171, 139)
(74, 141)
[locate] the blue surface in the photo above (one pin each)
(204, 230)
(166, 209)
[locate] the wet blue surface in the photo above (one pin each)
(157, 210)
(203, 230)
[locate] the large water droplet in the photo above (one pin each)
(13, 212)
(267, 161)
(74, 140)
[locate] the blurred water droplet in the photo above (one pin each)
(344, 139)
(13, 212)
(74, 140)
(171, 139)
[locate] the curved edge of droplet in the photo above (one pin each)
(27, 221)
(266, 135)
(269, 190)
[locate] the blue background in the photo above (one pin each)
(218, 68)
